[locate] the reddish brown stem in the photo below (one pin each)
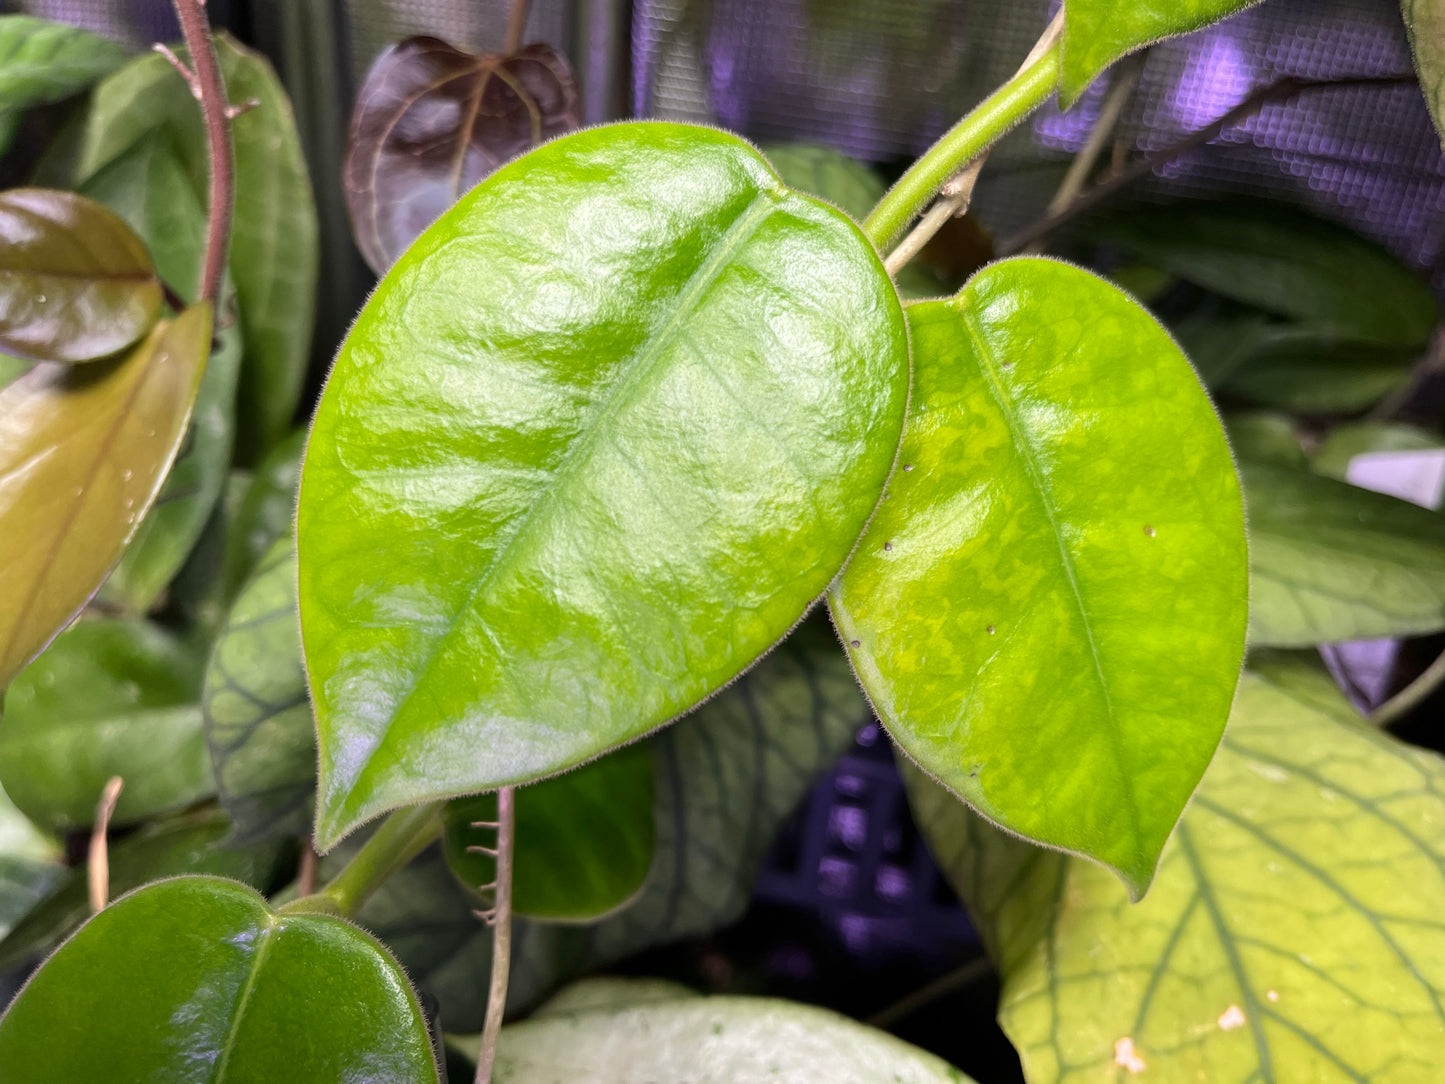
(215, 107)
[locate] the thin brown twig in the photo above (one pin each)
(956, 979)
(1279, 90)
(955, 196)
(1125, 80)
(97, 863)
(517, 24)
(310, 866)
(210, 88)
(500, 917)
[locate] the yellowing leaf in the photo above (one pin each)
(1294, 931)
(83, 453)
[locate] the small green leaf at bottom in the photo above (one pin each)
(197, 979)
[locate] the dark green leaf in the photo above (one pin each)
(273, 246)
(42, 61)
(1293, 931)
(83, 453)
(266, 511)
(431, 121)
(190, 844)
(258, 716)
(1425, 19)
(148, 187)
(1099, 32)
(1267, 438)
(29, 864)
(76, 283)
(711, 1039)
(583, 844)
(565, 482)
(1286, 262)
(1333, 456)
(1330, 561)
(1063, 471)
(196, 979)
(1310, 373)
(727, 778)
(106, 698)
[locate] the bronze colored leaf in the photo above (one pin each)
(76, 283)
(83, 453)
(431, 121)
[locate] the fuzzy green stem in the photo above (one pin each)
(401, 837)
(965, 141)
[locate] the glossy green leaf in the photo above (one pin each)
(83, 453)
(43, 61)
(727, 778)
(1063, 471)
(1332, 457)
(1331, 561)
(547, 453)
(258, 715)
(820, 171)
(75, 282)
(273, 253)
(29, 864)
(712, 1040)
(1293, 931)
(148, 187)
(1425, 19)
(1286, 262)
(583, 839)
(106, 698)
(266, 511)
(1099, 32)
(236, 997)
(194, 843)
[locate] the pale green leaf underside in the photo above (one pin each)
(1425, 20)
(1099, 32)
(716, 1040)
(566, 482)
(1004, 609)
(1293, 933)
(1330, 561)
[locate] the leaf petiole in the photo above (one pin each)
(402, 836)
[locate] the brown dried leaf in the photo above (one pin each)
(431, 121)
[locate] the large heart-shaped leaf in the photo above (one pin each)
(566, 480)
(1286, 262)
(711, 1040)
(1425, 19)
(258, 715)
(147, 186)
(1293, 931)
(1099, 32)
(1331, 561)
(83, 453)
(1063, 471)
(235, 999)
(727, 778)
(76, 283)
(106, 698)
(431, 121)
(273, 255)
(194, 843)
(583, 840)
(42, 61)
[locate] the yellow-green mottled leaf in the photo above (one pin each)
(1425, 19)
(1294, 931)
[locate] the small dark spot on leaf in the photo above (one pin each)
(888, 545)
(991, 630)
(908, 466)
(856, 643)
(1148, 530)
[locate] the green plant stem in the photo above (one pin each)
(956, 979)
(501, 919)
(401, 837)
(962, 143)
(1411, 696)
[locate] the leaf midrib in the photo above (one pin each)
(742, 230)
(989, 368)
(258, 959)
